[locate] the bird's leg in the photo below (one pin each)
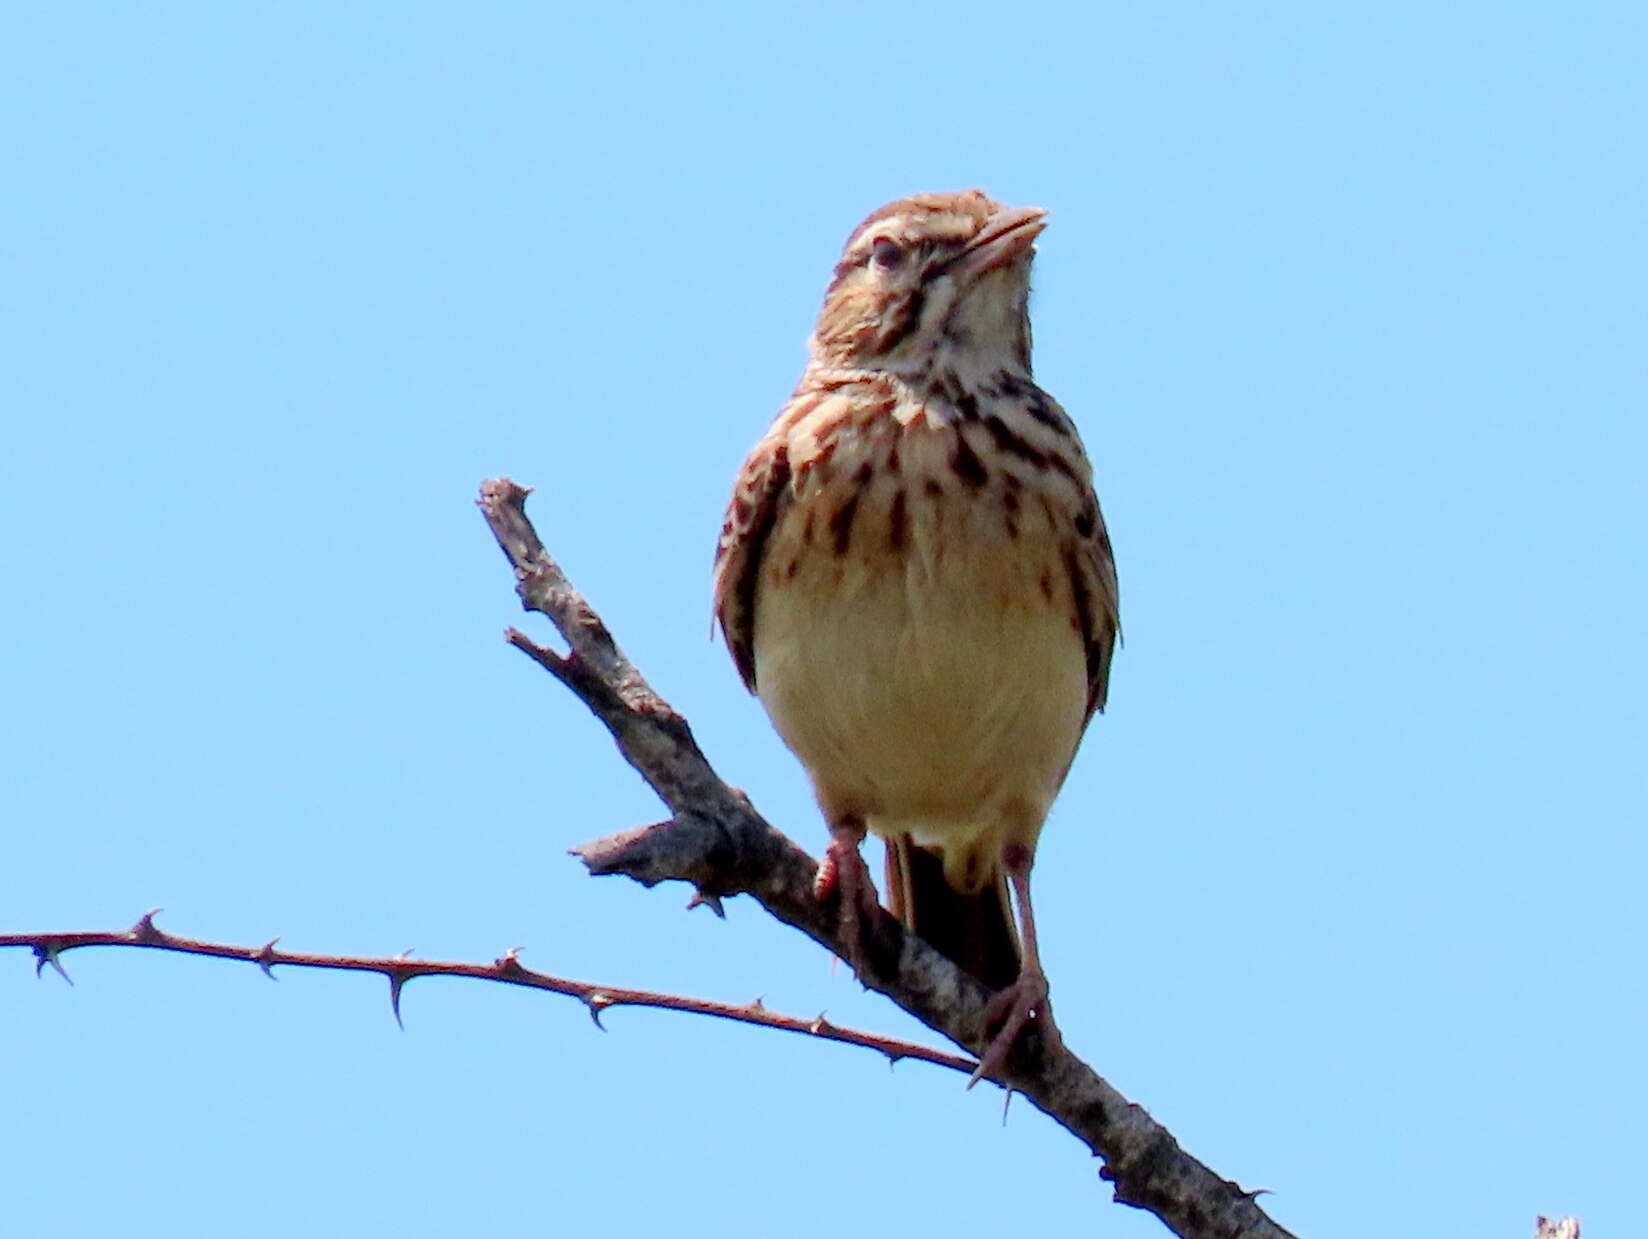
(843, 876)
(1010, 1009)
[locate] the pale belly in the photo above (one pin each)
(939, 690)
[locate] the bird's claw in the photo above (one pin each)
(844, 877)
(1008, 1011)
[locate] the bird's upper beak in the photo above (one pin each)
(1007, 236)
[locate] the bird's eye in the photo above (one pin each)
(886, 253)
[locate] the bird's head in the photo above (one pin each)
(931, 280)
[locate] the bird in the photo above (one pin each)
(914, 577)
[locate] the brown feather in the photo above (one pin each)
(757, 498)
(973, 930)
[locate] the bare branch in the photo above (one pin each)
(507, 969)
(717, 842)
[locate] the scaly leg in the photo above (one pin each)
(843, 875)
(1013, 1007)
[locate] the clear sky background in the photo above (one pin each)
(1347, 886)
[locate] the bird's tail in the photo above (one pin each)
(976, 931)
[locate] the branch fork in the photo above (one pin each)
(718, 843)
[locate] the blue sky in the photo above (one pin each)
(1347, 886)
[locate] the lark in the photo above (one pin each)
(914, 577)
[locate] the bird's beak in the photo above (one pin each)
(1006, 237)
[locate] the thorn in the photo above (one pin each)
(1258, 1192)
(406, 954)
(144, 930)
(1006, 1103)
(265, 959)
(397, 982)
(821, 1026)
(509, 963)
(46, 953)
(598, 1002)
(701, 899)
(892, 1061)
(757, 1007)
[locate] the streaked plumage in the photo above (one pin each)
(914, 576)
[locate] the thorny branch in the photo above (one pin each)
(49, 949)
(717, 842)
(721, 845)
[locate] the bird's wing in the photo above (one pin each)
(758, 494)
(1093, 578)
(763, 489)
(1092, 567)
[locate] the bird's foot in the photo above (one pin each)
(1008, 1011)
(845, 878)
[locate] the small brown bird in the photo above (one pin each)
(915, 578)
